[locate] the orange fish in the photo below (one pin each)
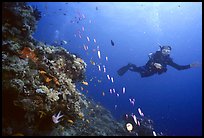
(85, 83)
(70, 121)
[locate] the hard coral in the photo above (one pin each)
(49, 77)
(28, 53)
(36, 13)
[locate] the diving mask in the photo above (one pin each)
(166, 51)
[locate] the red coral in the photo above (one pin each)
(49, 77)
(28, 53)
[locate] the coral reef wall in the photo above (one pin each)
(38, 80)
(39, 94)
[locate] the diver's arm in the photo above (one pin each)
(178, 67)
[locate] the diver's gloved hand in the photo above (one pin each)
(196, 64)
(158, 66)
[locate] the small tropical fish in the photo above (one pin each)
(108, 77)
(82, 28)
(138, 123)
(132, 101)
(70, 121)
(123, 90)
(80, 36)
(116, 106)
(85, 47)
(104, 68)
(106, 58)
(129, 127)
(87, 121)
(87, 38)
(111, 91)
(112, 43)
(82, 88)
(91, 79)
(94, 40)
(85, 83)
(99, 67)
(64, 42)
(140, 112)
(92, 62)
(154, 133)
(112, 79)
(99, 54)
(135, 119)
(83, 16)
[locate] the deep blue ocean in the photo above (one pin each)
(173, 100)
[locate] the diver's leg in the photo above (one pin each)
(146, 74)
(123, 70)
(143, 70)
(134, 68)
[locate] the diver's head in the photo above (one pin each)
(165, 50)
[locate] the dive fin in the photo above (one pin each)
(123, 70)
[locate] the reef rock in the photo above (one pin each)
(39, 81)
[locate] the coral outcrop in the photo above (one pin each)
(38, 81)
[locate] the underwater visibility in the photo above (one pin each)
(101, 68)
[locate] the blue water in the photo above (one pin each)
(172, 100)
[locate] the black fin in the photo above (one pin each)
(123, 70)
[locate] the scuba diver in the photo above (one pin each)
(157, 63)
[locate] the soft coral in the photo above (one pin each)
(28, 53)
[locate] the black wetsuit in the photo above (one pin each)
(149, 69)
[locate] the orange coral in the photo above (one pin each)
(48, 77)
(55, 80)
(42, 72)
(28, 53)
